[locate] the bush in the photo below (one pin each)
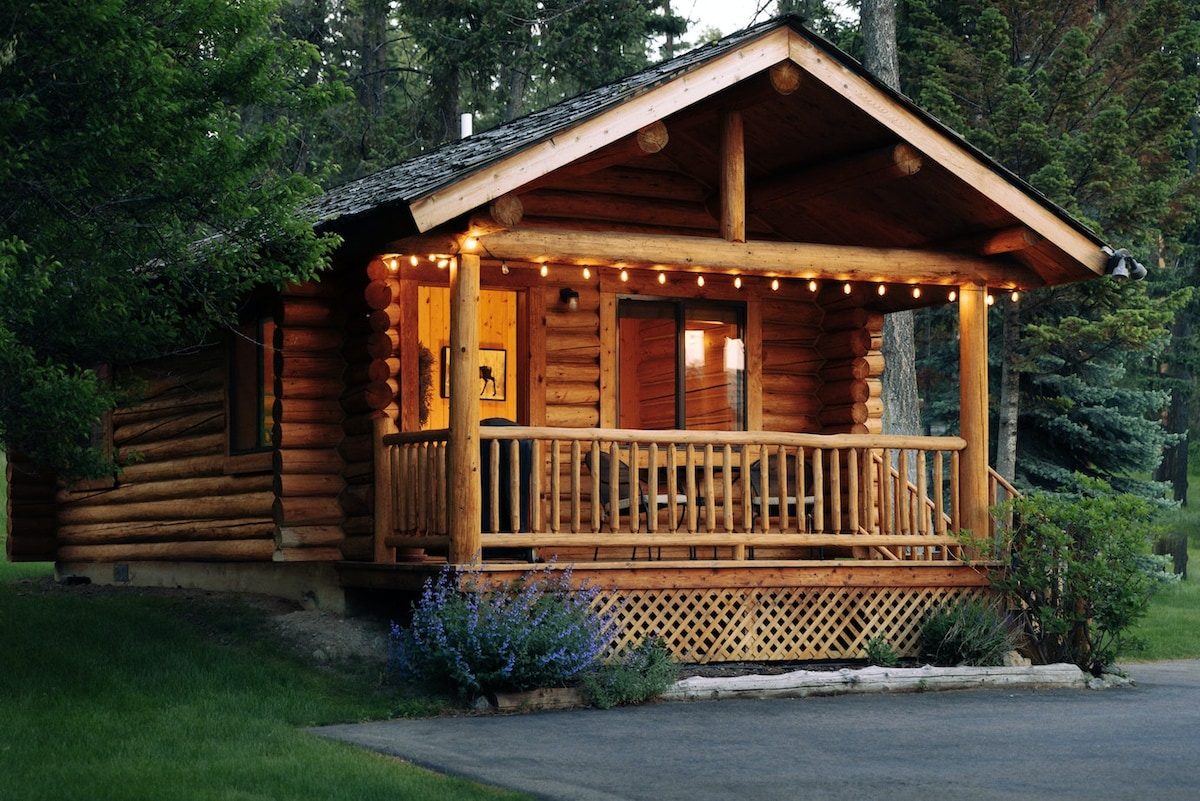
(473, 638)
(1075, 572)
(642, 673)
(967, 632)
(881, 653)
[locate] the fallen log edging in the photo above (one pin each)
(801, 683)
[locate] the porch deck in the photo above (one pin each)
(731, 545)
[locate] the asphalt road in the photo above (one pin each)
(1139, 743)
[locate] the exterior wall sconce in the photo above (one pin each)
(1122, 265)
(569, 297)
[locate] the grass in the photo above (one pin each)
(1171, 629)
(140, 695)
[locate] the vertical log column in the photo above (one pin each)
(465, 499)
(973, 408)
(733, 178)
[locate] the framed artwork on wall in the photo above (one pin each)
(493, 374)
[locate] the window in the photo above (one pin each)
(252, 386)
(682, 364)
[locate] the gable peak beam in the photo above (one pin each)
(804, 260)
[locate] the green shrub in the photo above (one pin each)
(471, 637)
(967, 632)
(881, 653)
(1075, 572)
(642, 673)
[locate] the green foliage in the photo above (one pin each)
(146, 186)
(881, 653)
(640, 674)
(1074, 573)
(471, 637)
(967, 632)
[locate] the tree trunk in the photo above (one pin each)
(1010, 384)
(1174, 465)
(901, 409)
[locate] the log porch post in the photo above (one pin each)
(973, 408)
(464, 497)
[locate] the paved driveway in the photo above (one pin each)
(1133, 743)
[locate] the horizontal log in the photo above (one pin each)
(790, 383)
(572, 416)
(311, 340)
(180, 489)
(357, 449)
(842, 392)
(794, 359)
(313, 367)
(229, 507)
(807, 423)
(309, 536)
(184, 377)
(305, 484)
(381, 394)
(384, 319)
(308, 554)
(310, 511)
(207, 421)
(21, 548)
(183, 447)
(383, 344)
(573, 373)
(200, 551)
(149, 410)
(168, 469)
(179, 531)
(358, 549)
(843, 415)
(308, 460)
(852, 343)
(301, 312)
(572, 395)
(852, 318)
(847, 370)
(308, 387)
(309, 435)
(381, 294)
(383, 369)
(308, 410)
(790, 332)
(837, 262)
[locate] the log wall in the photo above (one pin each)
(310, 427)
(177, 500)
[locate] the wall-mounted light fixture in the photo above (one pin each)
(569, 297)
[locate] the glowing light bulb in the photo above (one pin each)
(991, 299)
(846, 289)
(587, 274)
(1015, 296)
(882, 289)
(953, 296)
(737, 282)
(812, 286)
(624, 275)
(544, 271)
(662, 278)
(916, 291)
(774, 284)
(699, 280)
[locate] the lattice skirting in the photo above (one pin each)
(777, 623)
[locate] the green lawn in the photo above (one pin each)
(130, 695)
(1171, 629)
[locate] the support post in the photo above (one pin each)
(733, 178)
(382, 425)
(464, 499)
(973, 408)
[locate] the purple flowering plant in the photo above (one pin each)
(473, 637)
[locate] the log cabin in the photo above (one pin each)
(637, 333)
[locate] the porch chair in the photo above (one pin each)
(774, 492)
(624, 491)
(507, 503)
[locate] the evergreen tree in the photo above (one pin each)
(146, 185)
(1092, 105)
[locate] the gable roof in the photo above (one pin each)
(797, 144)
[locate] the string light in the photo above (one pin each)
(587, 274)
(662, 278)
(812, 286)
(882, 290)
(991, 299)
(544, 271)
(470, 243)
(700, 280)
(916, 291)
(953, 296)
(737, 282)
(846, 288)
(1015, 296)
(774, 284)
(443, 264)
(624, 275)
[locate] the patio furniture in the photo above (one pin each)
(507, 505)
(625, 492)
(780, 496)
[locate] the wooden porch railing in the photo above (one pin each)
(581, 493)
